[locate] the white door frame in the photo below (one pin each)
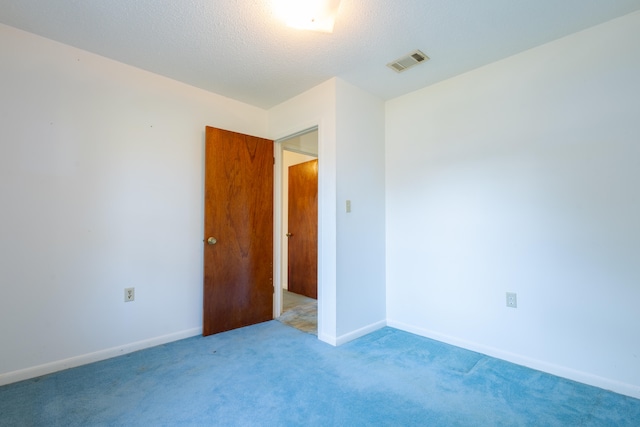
(278, 231)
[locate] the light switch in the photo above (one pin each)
(348, 206)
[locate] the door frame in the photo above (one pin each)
(278, 231)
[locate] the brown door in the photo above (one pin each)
(303, 229)
(238, 227)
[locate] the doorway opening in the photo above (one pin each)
(296, 231)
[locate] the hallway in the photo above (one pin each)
(300, 312)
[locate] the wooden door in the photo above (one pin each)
(238, 227)
(303, 229)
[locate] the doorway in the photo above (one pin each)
(293, 306)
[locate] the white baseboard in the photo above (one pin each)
(560, 371)
(336, 341)
(342, 339)
(328, 339)
(72, 362)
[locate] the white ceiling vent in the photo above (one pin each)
(408, 61)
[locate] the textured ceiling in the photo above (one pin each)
(237, 48)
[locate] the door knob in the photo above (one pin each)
(212, 240)
(289, 234)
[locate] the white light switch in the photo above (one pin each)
(348, 206)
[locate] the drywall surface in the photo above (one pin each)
(317, 107)
(306, 144)
(101, 186)
(360, 232)
(351, 292)
(522, 176)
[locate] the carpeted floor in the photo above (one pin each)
(274, 375)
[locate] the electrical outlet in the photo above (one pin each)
(129, 294)
(512, 300)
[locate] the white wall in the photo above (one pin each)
(317, 107)
(523, 176)
(101, 175)
(360, 233)
(306, 143)
(351, 292)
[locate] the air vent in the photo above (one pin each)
(408, 61)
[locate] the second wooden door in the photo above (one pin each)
(303, 229)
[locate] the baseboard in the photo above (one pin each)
(72, 362)
(560, 371)
(328, 339)
(342, 339)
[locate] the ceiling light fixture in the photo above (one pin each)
(314, 15)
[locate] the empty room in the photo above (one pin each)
(475, 234)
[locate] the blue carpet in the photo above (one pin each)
(273, 375)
